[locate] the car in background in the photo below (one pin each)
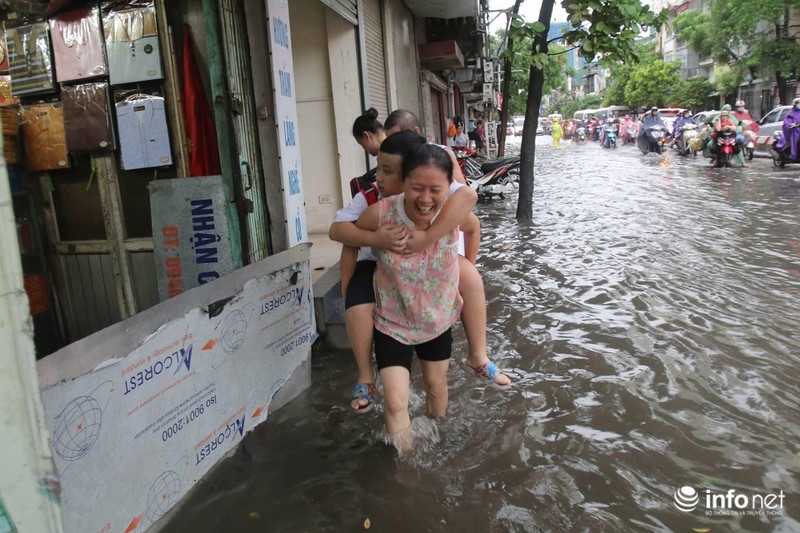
(770, 123)
(704, 117)
(519, 123)
(669, 115)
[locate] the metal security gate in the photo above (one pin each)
(375, 60)
(247, 169)
(346, 8)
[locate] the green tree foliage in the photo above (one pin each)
(758, 28)
(555, 78)
(653, 83)
(676, 92)
(621, 73)
(692, 94)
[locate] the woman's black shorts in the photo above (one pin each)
(390, 352)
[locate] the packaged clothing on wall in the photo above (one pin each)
(132, 45)
(43, 136)
(30, 64)
(78, 45)
(87, 117)
(143, 134)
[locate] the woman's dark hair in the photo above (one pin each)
(367, 122)
(421, 155)
(401, 142)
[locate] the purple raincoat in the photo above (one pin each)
(791, 135)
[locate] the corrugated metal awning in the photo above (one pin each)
(443, 9)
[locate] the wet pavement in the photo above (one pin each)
(649, 319)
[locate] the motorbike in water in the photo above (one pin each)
(684, 141)
(726, 147)
(629, 135)
(580, 134)
(781, 151)
(609, 137)
(750, 135)
(652, 139)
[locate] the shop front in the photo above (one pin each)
(104, 101)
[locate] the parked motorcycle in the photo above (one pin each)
(469, 161)
(500, 177)
(781, 151)
(684, 141)
(726, 147)
(652, 139)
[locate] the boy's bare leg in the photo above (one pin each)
(435, 375)
(473, 316)
(359, 322)
(395, 404)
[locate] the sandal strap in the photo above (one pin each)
(487, 372)
(364, 391)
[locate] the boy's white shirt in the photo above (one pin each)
(358, 204)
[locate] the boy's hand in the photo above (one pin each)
(392, 237)
(417, 241)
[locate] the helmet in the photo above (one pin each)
(739, 103)
(796, 101)
(726, 107)
(654, 108)
(686, 112)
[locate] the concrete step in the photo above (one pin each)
(329, 310)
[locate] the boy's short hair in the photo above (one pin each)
(401, 142)
(406, 120)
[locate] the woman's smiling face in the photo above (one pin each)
(425, 190)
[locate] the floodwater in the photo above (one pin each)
(649, 317)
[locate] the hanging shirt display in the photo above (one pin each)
(87, 117)
(30, 64)
(132, 45)
(143, 134)
(78, 45)
(43, 136)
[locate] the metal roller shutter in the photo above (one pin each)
(346, 8)
(376, 64)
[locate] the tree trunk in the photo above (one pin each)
(528, 151)
(506, 88)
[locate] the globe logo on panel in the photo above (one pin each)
(686, 499)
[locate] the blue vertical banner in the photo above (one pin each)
(283, 81)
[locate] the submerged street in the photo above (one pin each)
(648, 316)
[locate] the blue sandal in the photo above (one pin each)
(364, 391)
(487, 372)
